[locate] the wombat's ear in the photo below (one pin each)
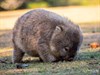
(58, 29)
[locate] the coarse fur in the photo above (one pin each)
(44, 34)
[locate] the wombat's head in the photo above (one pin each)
(65, 42)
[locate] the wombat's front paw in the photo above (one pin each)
(20, 66)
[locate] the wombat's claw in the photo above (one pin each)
(20, 66)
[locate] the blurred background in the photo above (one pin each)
(85, 13)
(25, 4)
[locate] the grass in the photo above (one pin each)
(87, 62)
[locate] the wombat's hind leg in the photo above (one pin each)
(17, 55)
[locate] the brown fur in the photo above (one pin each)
(46, 35)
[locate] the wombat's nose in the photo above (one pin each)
(68, 58)
(62, 58)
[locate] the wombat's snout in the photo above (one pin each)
(65, 59)
(69, 58)
(61, 58)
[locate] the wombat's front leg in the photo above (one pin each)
(17, 55)
(44, 53)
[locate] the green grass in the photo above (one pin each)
(86, 63)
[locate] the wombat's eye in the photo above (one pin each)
(66, 48)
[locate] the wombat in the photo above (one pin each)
(44, 34)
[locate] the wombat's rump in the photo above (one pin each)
(46, 35)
